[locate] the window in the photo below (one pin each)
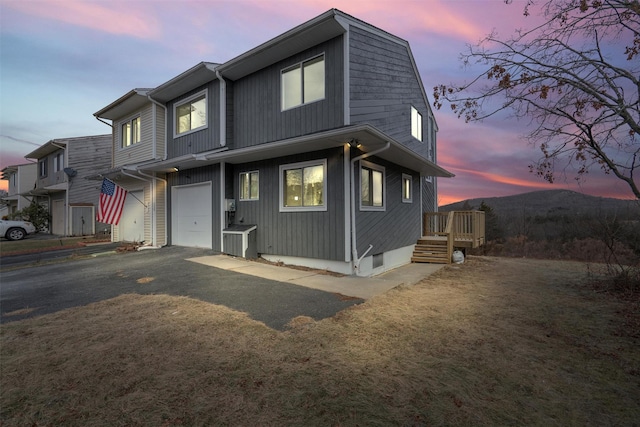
(303, 186)
(130, 132)
(303, 83)
(416, 124)
(191, 114)
(371, 186)
(42, 167)
(58, 162)
(407, 193)
(249, 185)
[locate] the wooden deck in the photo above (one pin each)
(444, 231)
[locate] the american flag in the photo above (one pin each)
(111, 202)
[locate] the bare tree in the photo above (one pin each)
(575, 77)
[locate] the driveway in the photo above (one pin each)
(37, 290)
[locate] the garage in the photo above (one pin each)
(132, 220)
(191, 215)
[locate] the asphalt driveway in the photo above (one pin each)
(50, 288)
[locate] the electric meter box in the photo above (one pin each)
(230, 205)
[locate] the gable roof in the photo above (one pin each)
(131, 101)
(194, 77)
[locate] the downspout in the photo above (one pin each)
(154, 213)
(354, 248)
(223, 109)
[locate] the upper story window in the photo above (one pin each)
(249, 185)
(42, 168)
(303, 83)
(407, 193)
(416, 124)
(190, 114)
(372, 187)
(58, 162)
(303, 186)
(130, 132)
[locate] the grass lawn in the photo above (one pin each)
(494, 341)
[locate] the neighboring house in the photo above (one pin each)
(21, 179)
(62, 166)
(138, 138)
(316, 148)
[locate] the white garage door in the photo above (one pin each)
(191, 215)
(132, 220)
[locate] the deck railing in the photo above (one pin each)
(463, 228)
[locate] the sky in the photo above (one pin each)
(63, 60)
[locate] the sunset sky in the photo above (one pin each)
(63, 60)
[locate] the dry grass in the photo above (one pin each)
(490, 342)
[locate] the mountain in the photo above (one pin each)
(552, 203)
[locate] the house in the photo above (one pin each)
(60, 184)
(21, 179)
(316, 148)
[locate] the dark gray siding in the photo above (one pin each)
(194, 176)
(304, 234)
(384, 86)
(429, 202)
(257, 111)
(203, 140)
(400, 223)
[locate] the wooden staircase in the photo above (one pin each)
(432, 250)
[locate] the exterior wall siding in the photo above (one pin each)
(399, 225)
(195, 176)
(202, 140)
(317, 235)
(140, 151)
(257, 114)
(384, 86)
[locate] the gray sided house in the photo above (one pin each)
(316, 148)
(21, 180)
(61, 185)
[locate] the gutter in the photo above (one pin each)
(354, 246)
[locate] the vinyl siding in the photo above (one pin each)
(140, 151)
(384, 86)
(257, 114)
(202, 140)
(302, 234)
(399, 225)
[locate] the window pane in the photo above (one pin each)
(293, 187)
(136, 130)
(126, 134)
(416, 124)
(313, 186)
(406, 188)
(253, 192)
(198, 113)
(183, 118)
(365, 196)
(291, 88)
(244, 186)
(376, 178)
(314, 80)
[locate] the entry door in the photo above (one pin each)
(132, 220)
(57, 217)
(191, 215)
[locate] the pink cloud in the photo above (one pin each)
(121, 18)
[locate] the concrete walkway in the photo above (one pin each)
(360, 287)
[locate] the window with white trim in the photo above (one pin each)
(190, 114)
(249, 185)
(42, 167)
(130, 132)
(303, 186)
(372, 187)
(407, 190)
(303, 83)
(416, 124)
(58, 162)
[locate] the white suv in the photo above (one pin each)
(16, 230)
